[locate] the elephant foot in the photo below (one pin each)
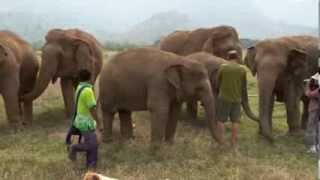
(295, 132)
(26, 123)
(169, 141)
(127, 138)
(16, 127)
(268, 137)
(304, 124)
(107, 139)
(193, 119)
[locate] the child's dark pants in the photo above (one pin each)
(90, 146)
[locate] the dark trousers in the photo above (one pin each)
(72, 131)
(90, 146)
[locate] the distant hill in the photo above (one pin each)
(154, 28)
(256, 26)
(249, 21)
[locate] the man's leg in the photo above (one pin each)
(235, 119)
(221, 130)
(235, 129)
(310, 133)
(89, 144)
(222, 114)
(92, 153)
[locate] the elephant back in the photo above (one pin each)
(174, 42)
(17, 45)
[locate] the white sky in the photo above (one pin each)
(303, 12)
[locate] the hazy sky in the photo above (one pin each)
(129, 12)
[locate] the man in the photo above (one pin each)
(85, 117)
(231, 85)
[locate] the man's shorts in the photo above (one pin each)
(226, 110)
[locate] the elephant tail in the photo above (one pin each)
(99, 115)
(246, 107)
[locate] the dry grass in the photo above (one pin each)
(39, 152)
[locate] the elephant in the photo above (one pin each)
(218, 41)
(18, 72)
(154, 80)
(63, 55)
(212, 64)
(281, 66)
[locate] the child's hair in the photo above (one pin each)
(84, 75)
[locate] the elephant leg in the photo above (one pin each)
(293, 115)
(11, 101)
(107, 125)
(270, 111)
(68, 96)
(126, 127)
(172, 122)
(27, 112)
(192, 110)
(305, 113)
(266, 108)
(159, 120)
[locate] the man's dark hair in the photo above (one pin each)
(84, 75)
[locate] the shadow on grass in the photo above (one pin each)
(50, 118)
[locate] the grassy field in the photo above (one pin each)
(38, 153)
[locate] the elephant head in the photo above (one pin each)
(280, 70)
(7, 59)
(191, 80)
(222, 41)
(3, 54)
(63, 55)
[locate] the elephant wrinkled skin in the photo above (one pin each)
(218, 41)
(18, 71)
(157, 81)
(281, 66)
(63, 55)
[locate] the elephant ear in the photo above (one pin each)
(173, 75)
(297, 62)
(208, 46)
(250, 60)
(3, 51)
(83, 55)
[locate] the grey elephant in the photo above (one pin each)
(63, 55)
(218, 41)
(212, 64)
(18, 71)
(281, 65)
(157, 81)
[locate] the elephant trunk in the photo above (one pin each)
(207, 99)
(48, 69)
(246, 106)
(266, 99)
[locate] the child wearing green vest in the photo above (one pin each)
(84, 121)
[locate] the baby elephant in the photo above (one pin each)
(157, 81)
(18, 71)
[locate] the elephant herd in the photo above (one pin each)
(183, 69)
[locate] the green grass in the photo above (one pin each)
(39, 153)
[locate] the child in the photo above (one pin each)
(313, 94)
(85, 121)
